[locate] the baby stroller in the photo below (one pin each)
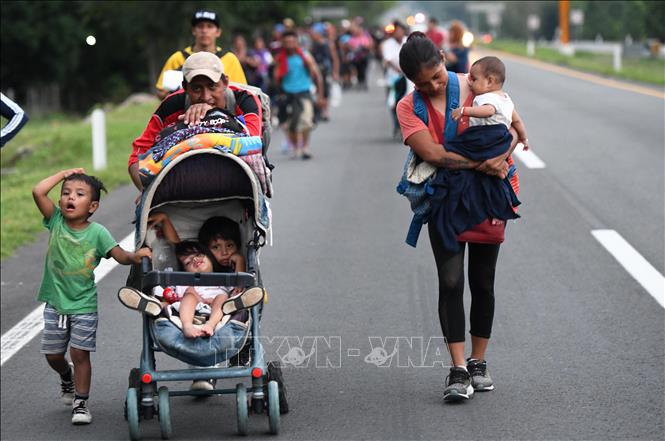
(193, 187)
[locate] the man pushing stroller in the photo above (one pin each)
(204, 86)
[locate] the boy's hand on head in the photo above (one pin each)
(72, 171)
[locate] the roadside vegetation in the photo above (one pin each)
(47, 145)
(647, 70)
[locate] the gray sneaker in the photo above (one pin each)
(480, 376)
(458, 385)
(81, 413)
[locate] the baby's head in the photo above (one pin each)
(487, 75)
(222, 237)
(79, 196)
(193, 257)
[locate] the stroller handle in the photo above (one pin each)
(179, 278)
(146, 265)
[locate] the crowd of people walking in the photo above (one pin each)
(304, 69)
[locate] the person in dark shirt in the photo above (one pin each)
(457, 56)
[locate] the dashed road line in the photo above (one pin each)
(633, 262)
(25, 330)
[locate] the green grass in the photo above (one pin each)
(647, 70)
(55, 143)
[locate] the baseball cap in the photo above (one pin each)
(203, 63)
(204, 15)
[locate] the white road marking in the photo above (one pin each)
(528, 157)
(636, 265)
(25, 330)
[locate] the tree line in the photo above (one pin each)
(612, 20)
(44, 50)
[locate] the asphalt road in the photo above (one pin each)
(577, 349)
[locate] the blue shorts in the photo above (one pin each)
(77, 330)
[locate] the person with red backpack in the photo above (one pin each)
(206, 31)
(295, 73)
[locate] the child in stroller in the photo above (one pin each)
(223, 239)
(194, 259)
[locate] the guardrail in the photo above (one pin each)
(616, 49)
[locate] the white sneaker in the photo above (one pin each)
(245, 300)
(81, 413)
(203, 385)
(138, 301)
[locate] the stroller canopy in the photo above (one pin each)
(203, 176)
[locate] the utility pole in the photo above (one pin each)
(564, 9)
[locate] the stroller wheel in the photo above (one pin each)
(165, 413)
(273, 407)
(133, 414)
(241, 408)
(275, 373)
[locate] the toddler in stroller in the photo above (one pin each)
(219, 242)
(208, 302)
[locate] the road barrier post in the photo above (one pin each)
(98, 121)
(616, 57)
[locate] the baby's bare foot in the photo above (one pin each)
(191, 331)
(207, 330)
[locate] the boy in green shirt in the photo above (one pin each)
(75, 248)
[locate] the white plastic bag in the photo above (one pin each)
(335, 94)
(172, 80)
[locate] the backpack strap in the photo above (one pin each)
(421, 105)
(219, 52)
(452, 103)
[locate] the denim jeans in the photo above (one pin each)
(224, 344)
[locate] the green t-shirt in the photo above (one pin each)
(69, 281)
